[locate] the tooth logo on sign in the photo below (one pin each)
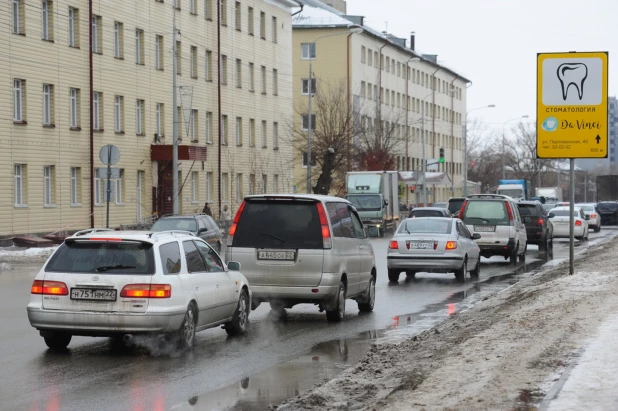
(572, 74)
(550, 124)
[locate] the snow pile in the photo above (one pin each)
(10, 253)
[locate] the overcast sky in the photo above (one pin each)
(494, 42)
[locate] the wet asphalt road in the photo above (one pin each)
(276, 360)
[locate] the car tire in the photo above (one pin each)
(513, 255)
(543, 244)
(368, 305)
(522, 256)
(393, 275)
(410, 274)
(476, 272)
(597, 229)
(240, 321)
(58, 340)
(460, 274)
(185, 336)
(338, 313)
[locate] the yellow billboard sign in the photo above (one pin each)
(571, 105)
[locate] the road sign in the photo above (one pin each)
(572, 105)
(109, 154)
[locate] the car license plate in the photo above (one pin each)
(93, 294)
(277, 255)
(485, 228)
(419, 245)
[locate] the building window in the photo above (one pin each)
(19, 100)
(118, 114)
(307, 51)
(264, 183)
(208, 186)
(223, 69)
(313, 161)
(251, 132)
(251, 184)
(224, 12)
(369, 91)
(76, 196)
(237, 16)
(159, 52)
(388, 65)
(73, 27)
(48, 180)
(363, 52)
(276, 136)
(369, 57)
(208, 67)
(139, 46)
(362, 89)
(208, 9)
(263, 80)
(194, 186)
(250, 14)
(305, 86)
(20, 184)
(262, 25)
(97, 29)
(160, 120)
(179, 57)
(74, 117)
(208, 126)
(251, 77)
(224, 129)
(48, 104)
(263, 135)
(194, 131)
(18, 17)
(274, 29)
(118, 40)
(275, 184)
(97, 114)
(193, 6)
(275, 83)
(193, 62)
(238, 131)
(47, 20)
(139, 117)
(375, 59)
(239, 188)
(238, 73)
(306, 122)
(224, 185)
(119, 188)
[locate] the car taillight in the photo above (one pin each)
(578, 223)
(540, 221)
(509, 211)
(146, 291)
(451, 245)
(593, 216)
(393, 245)
(113, 240)
(230, 237)
(461, 210)
(326, 240)
(49, 288)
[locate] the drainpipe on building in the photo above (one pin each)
(219, 99)
(379, 108)
(91, 132)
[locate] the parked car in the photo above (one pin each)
(304, 249)
(200, 225)
(433, 244)
(497, 218)
(429, 212)
(590, 209)
(560, 219)
(122, 283)
(538, 228)
(609, 212)
(454, 205)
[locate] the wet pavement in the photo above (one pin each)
(278, 359)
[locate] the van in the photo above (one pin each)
(496, 217)
(297, 249)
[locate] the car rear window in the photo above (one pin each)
(279, 224)
(455, 205)
(608, 206)
(527, 209)
(485, 212)
(563, 213)
(164, 224)
(412, 226)
(426, 213)
(126, 257)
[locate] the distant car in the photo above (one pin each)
(560, 219)
(538, 228)
(433, 244)
(454, 205)
(608, 211)
(200, 225)
(595, 218)
(123, 283)
(429, 212)
(548, 206)
(439, 205)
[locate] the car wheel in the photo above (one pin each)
(543, 244)
(522, 256)
(58, 340)
(185, 336)
(393, 275)
(476, 272)
(410, 274)
(240, 321)
(460, 274)
(371, 297)
(597, 229)
(513, 256)
(380, 232)
(337, 314)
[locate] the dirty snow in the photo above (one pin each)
(10, 253)
(503, 353)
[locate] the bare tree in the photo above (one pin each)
(484, 155)
(379, 140)
(521, 154)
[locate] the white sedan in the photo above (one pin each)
(590, 209)
(433, 244)
(559, 217)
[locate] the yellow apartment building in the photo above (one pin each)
(386, 81)
(234, 78)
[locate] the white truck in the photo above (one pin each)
(552, 195)
(375, 195)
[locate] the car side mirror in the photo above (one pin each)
(551, 215)
(373, 232)
(476, 236)
(202, 230)
(587, 217)
(233, 265)
(385, 202)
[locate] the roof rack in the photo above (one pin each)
(155, 234)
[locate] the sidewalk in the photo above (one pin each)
(506, 353)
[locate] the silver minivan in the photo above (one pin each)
(297, 249)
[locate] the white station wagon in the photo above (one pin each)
(118, 284)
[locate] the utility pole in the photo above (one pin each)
(175, 125)
(423, 164)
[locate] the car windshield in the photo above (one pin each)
(511, 192)
(485, 212)
(366, 202)
(455, 205)
(165, 224)
(429, 225)
(527, 209)
(125, 257)
(426, 213)
(279, 224)
(608, 206)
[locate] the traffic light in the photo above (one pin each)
(442, 155)
(412, 189)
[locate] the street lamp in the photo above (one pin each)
(310, 93)
(504, 141)
(465, 146)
